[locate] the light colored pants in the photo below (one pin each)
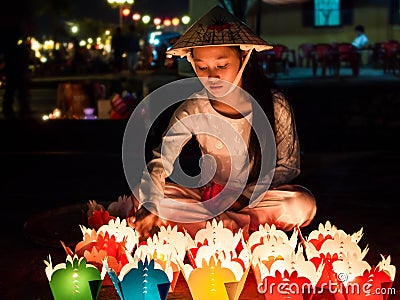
(286, 207)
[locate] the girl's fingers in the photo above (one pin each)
(131, 221)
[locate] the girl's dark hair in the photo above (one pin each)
(260, 88)
(359, 28)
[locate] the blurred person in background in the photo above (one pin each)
(147, 56)
(132, 49)
(15, 26)
(118, 48)
(361, 40)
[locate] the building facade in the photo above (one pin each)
(316, 21)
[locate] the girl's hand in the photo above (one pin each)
(145, 223)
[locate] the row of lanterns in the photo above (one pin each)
(156, 21)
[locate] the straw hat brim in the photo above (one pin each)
(218, 28)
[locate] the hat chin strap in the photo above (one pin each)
(238, 75)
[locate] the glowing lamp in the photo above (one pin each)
(175, 21)
(167, 22)
(126, 11)
(185, 20)
(157, 21)
(136, 17)
(146, 19)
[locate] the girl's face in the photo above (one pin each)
(216, 64)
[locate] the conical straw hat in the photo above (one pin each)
(218, 28)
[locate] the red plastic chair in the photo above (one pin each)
(389, 54)
(322, 55)
(305, 52)
(347, 53)
(270, 60)
(278, 57)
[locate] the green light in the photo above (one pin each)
(146, 19)
(75, 280)
(185, 20)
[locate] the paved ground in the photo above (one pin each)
(348, 129)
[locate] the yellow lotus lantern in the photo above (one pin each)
(219, 263)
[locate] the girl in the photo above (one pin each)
(244, 189)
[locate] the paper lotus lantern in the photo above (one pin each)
(98, 215)
(276, 263)
(121, 208)
(218, 268)
(168, 249)
(328, 231)
(99, 218)
(74, 279)
(329, 246)
(266, 232)
(290, 277)
(212, 280)
(361, 281)
(122, 232)
(345, 272)
(116, 241)
(217, 239)
(171, 235)
(267, 245)
(238, 263)
(215, 233)
(165, 256)
(140, 280)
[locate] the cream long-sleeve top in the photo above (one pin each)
(225, 140)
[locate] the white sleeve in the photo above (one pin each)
(151, 189)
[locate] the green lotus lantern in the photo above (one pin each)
(74, 279)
